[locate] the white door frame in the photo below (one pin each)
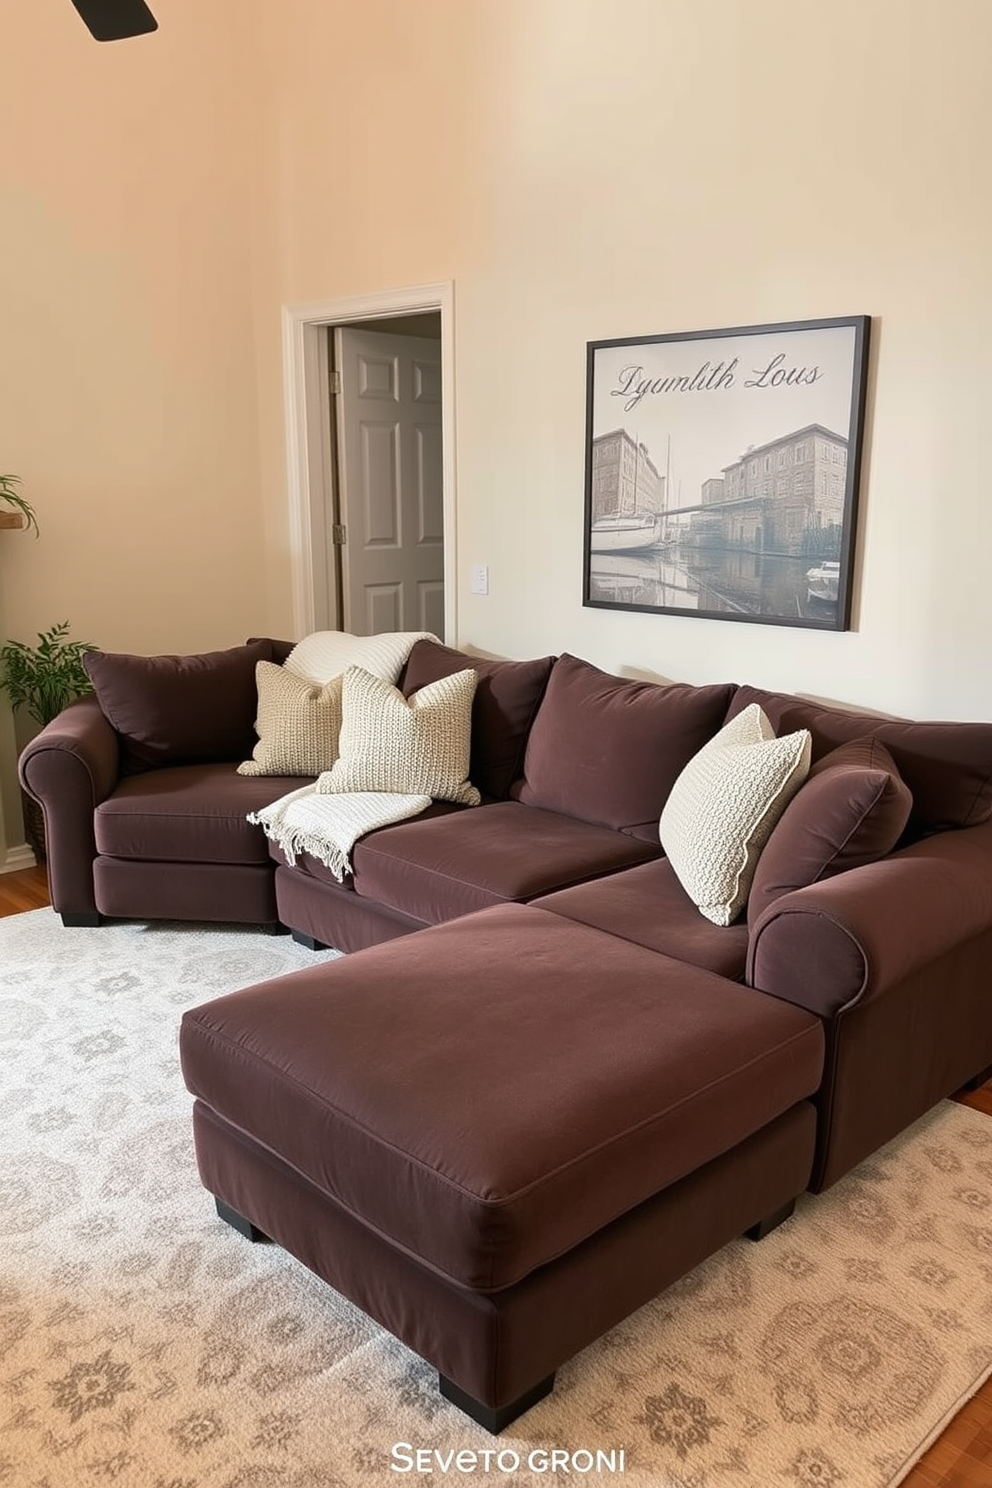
(308, 446)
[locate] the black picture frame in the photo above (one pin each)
(723, 469)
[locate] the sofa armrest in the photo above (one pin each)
(846, 940)
(69, 768)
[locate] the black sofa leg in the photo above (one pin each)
(311, 944)
(977, 1081)
(86, 920)
(770, 1222)
(238, 1222)
(494, 1418)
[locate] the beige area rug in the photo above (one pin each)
(144, 1343)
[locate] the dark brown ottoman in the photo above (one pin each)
(503, 1134)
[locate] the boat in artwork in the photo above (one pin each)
(625, 532)
(823, 581)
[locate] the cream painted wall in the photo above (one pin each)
(127, 379)
(579, 170)
(128, 401)
(582, 170)
(373, 175)
(718, 163)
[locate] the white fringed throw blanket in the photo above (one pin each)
(327, 653)
(328, 826)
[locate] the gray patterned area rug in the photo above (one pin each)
(144, 1343)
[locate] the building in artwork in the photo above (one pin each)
(624, 480)
(786, 496)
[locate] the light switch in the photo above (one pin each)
(479, 579)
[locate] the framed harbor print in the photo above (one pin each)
(722, 472)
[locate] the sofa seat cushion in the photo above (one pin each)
(488, 1093)
(445, 866)
(649, 906)
(188, 814)
(311, 867)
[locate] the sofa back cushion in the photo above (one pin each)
(507, 696)
(608, 750)
(173, 710)
(852, 810)
(947, 766)
(278, 649)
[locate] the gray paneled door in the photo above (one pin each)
(388, 424)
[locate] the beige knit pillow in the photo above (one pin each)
(417, 745)
(297, 723)
(723, 806)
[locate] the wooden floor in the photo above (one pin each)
(24, 890)
(960, 1458)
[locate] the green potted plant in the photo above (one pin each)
(40, 680)
(15, 511)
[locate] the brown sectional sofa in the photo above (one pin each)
(501, 1134)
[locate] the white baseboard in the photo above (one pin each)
(17, 858)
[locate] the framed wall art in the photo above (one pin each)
(722, 472)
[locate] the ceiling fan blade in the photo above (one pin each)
(113, 20)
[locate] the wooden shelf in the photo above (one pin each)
(11, 519)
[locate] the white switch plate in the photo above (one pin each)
(479, 579)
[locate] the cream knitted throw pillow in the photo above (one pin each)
(723, 806)
(416, 745)
(298, 723)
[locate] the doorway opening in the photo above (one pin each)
(387, 537)
(365, 494)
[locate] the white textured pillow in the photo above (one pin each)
(417, 745)
(329, 653)
(723, 806)
(297, 723)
